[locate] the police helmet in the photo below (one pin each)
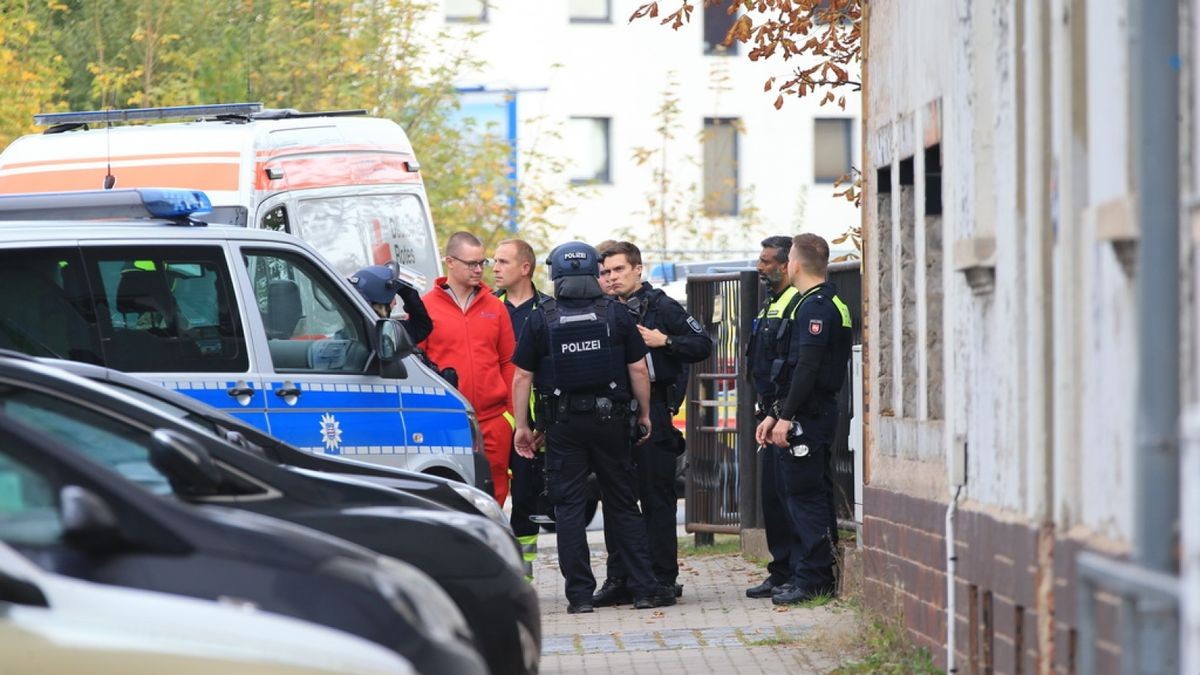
(573, 259)
(377, 283)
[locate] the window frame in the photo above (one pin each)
(847, 124)
(716, 48)
(733, 123)
(463, 18)
(607, 19)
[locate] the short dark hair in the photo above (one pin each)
(781, 244)
(460, 239)
(813, 253)
(633, 254)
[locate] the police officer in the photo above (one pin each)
(512, 275)
(803, 422)
(770, 362)
(675, 339)
(587, 359)
(380, 284)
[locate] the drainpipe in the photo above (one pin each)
(951, 572)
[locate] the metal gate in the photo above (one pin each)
(721, 487)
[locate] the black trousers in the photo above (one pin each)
(576, 446)
(656, 489)
(775, 517)
(525, 490)
(804, 486)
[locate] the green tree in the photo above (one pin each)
(31, 71)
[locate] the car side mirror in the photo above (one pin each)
(394, 345)
(184, 461)
(88, 521)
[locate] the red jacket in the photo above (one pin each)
(477, 343)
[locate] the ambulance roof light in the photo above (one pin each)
(165, 203)
(134, 114)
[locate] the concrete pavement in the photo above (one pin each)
(714, 629)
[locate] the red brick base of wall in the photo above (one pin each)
(997, 581)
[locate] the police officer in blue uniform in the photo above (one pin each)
(380, 284)
(803, 421)
(585, 356)
(771, 360)
(675, 340)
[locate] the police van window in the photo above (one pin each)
(45, 309)
(166, 309)
(311, 326)
(353, 231)
(277, 220)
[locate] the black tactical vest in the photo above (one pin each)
(582, 349)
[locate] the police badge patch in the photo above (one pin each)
(695, 325)
(815, 326)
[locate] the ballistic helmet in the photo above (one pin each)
(573, 259)
(377, 283)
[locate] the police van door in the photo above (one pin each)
(168, 312)
(319, 395)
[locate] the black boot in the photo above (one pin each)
(763, 590)
(612, 593)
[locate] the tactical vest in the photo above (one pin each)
(582, 350)
(771, 350)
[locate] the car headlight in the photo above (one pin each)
(497, 538)
(484, 503)
(413, 594)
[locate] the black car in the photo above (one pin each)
(475, 560)
(75, 517)
(447, 492)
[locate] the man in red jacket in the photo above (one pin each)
(473, 334)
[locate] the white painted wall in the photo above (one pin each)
(620, 70)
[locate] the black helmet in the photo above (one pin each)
(573, 259)
(377, 283)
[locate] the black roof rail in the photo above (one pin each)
(293, 114)
(58, 120)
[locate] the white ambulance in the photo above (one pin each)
(346, 183)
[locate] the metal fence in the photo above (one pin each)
(721, 487)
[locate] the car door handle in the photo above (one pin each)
(237, 392)
(284, 392)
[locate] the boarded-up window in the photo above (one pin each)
(720, 166)
(831, 148)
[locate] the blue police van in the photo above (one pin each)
(253, 322)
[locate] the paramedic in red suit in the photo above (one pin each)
(473, 334)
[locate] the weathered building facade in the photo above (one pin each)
(1003, 321)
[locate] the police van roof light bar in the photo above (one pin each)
(165, 203)
(134, 114)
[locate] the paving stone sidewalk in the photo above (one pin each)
(714, 629)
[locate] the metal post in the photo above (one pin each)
(1155, 72)
(748, 290)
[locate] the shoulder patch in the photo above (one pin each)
(695, 325)
(815, 326)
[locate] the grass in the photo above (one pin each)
(723, 544)
(887, 649)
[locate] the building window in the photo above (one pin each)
(587, 138)
(831, 149)
(717, 22)
(590, 11)
(720, 166)
(466, 10)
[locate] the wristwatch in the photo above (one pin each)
(668, 345)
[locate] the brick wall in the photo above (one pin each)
(998, 576)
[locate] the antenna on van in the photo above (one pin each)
(110, 181)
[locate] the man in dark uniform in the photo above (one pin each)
(587, 360)
(512, 275)
(675, 339)
(770, 362)
(380, 284)
(804, 422)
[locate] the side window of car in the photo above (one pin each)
(45, 308)
(29, 512)
(166, 309)
(107, 441)
(310, 324)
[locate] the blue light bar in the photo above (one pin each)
(132, 114)
(166, 203)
